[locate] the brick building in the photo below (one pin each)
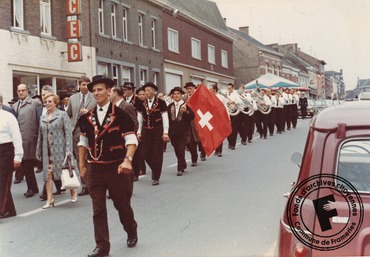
(196, 44)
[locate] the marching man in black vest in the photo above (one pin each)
(179, 116)
(109, 168)
(153, 130)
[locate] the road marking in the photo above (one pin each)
(26, 214)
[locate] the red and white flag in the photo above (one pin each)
(211, 118)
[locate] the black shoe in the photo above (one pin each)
(202, 159)
(193, 164)
(219, 154)
(265, 137)
(8, 215)
(98, 252)
(155, 182)
(135, 179)
(17, 181)
(249, 141)
(271, 135)
(232, 148)
(244, 143)
(83, 192)
(29, 194)
(180, 173)
(38, 170)
(43, 197)
(131, 242)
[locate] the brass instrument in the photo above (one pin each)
(248, 106)
(232, 107)
(261, 105)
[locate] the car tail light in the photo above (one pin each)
(300, 250)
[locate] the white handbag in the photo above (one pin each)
(69, 177)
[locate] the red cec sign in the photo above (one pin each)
(74, 52)
(74, 29)
(73, 7)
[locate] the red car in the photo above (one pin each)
(326, 208)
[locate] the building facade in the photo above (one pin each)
(125, 39)
(196, 45)
(34, 48)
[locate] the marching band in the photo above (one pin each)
(260, 110)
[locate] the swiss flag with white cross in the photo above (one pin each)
(211, 118)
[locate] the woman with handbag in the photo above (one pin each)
(54, 144)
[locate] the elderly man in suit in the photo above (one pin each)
(25, 109)
(79, 104)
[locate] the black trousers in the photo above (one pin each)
(235, 121)
(250, 127)
(103, 177)
(6, 175)
(242, 128)
(262, 121)
(193, 146)
(294, 115)
(271, 121)
(279, 119)
(288, 115)
(152, 142)
(304, 112)
(28, 169)
(179, 143)
(138, 163)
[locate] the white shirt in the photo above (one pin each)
(9, 132)
(177, 106)
(101, 114)
(128, 99)
(235, 97)
(150, 103)
(119, 102)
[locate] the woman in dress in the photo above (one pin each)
(54, 143)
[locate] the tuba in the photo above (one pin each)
(232, 108)
(261, 105)
(248, 106)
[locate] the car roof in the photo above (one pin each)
(351, 113)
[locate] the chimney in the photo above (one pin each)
(244, 29)
(225, 21)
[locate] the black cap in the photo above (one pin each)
(152, 85)
(177, 89)
(100, 79)
(128, 85)
(189, 84)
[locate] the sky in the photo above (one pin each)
(335, 31)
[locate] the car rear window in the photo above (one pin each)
(354, 163)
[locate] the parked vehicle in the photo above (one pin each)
(324, 214)
(311, 108)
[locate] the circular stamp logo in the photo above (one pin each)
(325, 212)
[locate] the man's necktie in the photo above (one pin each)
(19, 106)
(82, 105)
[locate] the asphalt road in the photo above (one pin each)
(224, 207)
